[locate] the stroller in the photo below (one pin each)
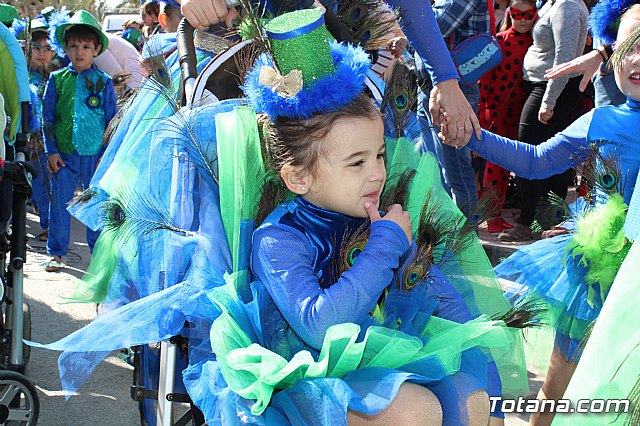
(19, 403)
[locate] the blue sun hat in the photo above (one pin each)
(313, 74)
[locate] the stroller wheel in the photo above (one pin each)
(19, 403)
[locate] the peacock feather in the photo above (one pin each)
(551, 211)
(400, 97)
(633, 417)
(353, 243)
(371, 22)
(602, 171)
(159, 70)
(463, 232)
(83, 197)
(577, 353)
(526, 312)
(190, 148)
(274, 193)
(128, 214)
(397, 192)
(417, 269)
(252, 21)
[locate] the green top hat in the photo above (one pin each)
(47, 12)
(300, 41)
(7, 14)
(82, 17)
(39, 24)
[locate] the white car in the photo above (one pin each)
(113, 23)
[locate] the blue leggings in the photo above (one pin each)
(63, 185)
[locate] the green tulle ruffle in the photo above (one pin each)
(254, 372)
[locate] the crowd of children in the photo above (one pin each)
(339, 282)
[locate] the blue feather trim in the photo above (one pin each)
(324, 95)
(17, 28)
(604, 18)
(57, 19)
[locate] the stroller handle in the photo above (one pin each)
(187, 56)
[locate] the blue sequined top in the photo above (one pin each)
(77, 109)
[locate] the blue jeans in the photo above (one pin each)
(63, 185)
(606, 90)
(40, 189)
(457, 169)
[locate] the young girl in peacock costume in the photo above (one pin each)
(574, 271)
(319, 316)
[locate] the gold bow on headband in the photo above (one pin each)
(285, 85)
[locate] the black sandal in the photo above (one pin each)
(43, 236)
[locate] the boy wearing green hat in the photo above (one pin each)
(79, 101)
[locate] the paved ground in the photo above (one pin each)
(104, 399)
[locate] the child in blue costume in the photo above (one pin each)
(79, 102)
(316, 289)
(577, 286)
(40, 67)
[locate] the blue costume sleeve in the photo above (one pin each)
(34, 120)
(564, 150)
(49, 116)
(282, 259)
(110, 108)
(421, 28)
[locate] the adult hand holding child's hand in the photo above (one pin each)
(55, 163)
(395, 214)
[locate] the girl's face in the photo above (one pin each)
(352, 171)
(523, 15)
(146, 18)
(41, 53)
(628, 78)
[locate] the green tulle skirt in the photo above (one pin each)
(610, 364)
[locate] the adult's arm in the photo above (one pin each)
(567, 36)
(564, 150)
(421, 28)
(49, 101)
(587, 65)
(282, 259)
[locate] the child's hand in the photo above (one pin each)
(55, 163)
(397, 45)
(395, 214)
